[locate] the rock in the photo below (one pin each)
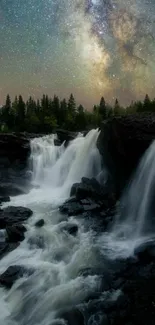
(71, 208)
(40, 223)
(15, 233)
(122, 142)
(4, 199)
(65, 135)
(14, 152)
(10, 189)
(74, 189)
(7, 247)
(146, 251)
(57, 142)
(13, 273)
(14, 215)
(90, 200)
(90, 188)
(72, 229)
(73, 316)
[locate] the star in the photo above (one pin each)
(85, 47)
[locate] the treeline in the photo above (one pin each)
(49, 113)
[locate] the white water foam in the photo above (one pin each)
(56, 256)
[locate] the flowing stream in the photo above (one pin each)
(55, 256)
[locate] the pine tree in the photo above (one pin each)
(102, 108)
(20, 118)
(63, 112)
(116, 107)
(7, 111)
(71, 105)
(147, 103)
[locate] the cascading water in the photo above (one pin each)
(55, 257)
(135, 222)
(55, 168)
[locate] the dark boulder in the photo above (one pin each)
(122, 142)
(146, 251)
(14, 215)
(91, 200)
(13, 273)
(15, 233)
(91, 188)
(40, 223)
(71, 228)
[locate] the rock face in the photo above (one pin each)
(122, 142)
(14, 152)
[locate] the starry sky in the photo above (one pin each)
(87, 47)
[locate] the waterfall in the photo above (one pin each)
(57, 168)
(57, 261)
(135, 221)
(137, 216)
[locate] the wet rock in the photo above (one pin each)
(10, 189)
(71, 208)
(74, 189)
(57, 142)
(65, 135)
(40, 223)
(92, 190)
(7, 247)
(4, 199)
(72, 229)
(14, 215)
(73, 316)
(13, 273)
(15, 233)
(146, 251)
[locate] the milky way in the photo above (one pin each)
(88, 47)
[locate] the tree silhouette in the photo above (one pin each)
(102, 108)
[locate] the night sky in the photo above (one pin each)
(88, 47)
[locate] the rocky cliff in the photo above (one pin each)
(122, 142)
